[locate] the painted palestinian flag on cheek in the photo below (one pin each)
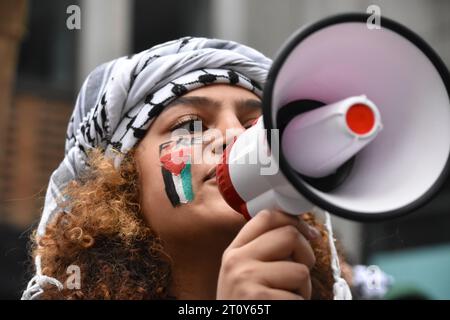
(176, 172)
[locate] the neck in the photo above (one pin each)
(195, 276)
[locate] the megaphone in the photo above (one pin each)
(355, 120)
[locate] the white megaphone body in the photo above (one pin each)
(355, 121)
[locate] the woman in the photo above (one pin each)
(136, 225)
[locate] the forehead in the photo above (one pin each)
(218, 96)
(223, 91)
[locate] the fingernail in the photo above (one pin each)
(314, 233)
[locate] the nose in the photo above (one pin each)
(230, 128)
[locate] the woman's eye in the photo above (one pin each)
(248, 124)
(187, 125)
(190, 125)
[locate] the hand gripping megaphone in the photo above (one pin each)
(355, 121)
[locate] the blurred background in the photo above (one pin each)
(43, 64)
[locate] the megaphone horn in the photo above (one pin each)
(364, 122)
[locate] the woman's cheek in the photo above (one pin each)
(176, 159)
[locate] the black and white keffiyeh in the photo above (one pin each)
(119, 100)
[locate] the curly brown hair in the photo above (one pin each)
(119, 255)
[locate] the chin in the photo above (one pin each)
(214, 205)
(216, 208)
(229, 216)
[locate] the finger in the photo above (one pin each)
(265, 293)
(286, 275)
(310, 232)
(264, 221)
(280, 244)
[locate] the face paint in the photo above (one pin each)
(175, 157)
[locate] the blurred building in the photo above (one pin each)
(54, 61)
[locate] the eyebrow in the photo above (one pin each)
(198, 101)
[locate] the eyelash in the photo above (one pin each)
(191, 118)
(185, 120)
(249, 125)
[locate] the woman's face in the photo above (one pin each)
(180, 199)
